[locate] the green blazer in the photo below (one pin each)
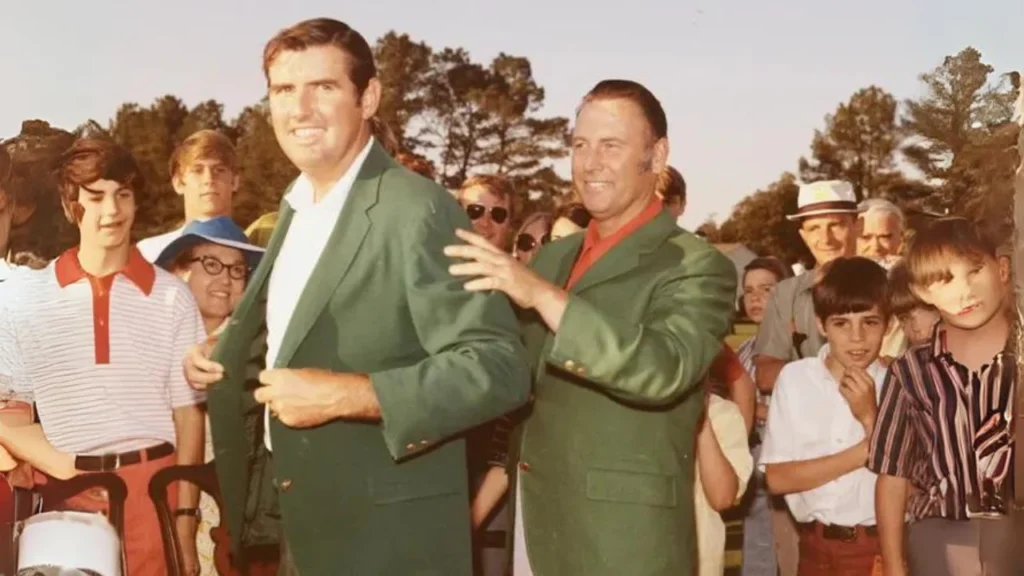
(367, 498)
(606, 456)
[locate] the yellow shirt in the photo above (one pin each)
(731, 432)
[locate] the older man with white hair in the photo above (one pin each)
(880, 228)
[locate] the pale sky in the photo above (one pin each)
(744, 82)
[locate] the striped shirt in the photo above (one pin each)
(948, 431)
(101, 357)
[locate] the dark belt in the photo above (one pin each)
(837, 532)
(111, 462)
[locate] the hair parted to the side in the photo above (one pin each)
(850, 285)
(901, 298)
(638, 94)
(203, 145)
(770, 264)
(945, 240)
(671, 185)
(92, 159)
(325, 32)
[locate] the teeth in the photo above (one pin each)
(307, 132)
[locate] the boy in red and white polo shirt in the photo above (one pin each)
(96, 339)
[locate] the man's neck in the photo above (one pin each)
(975, 348)
(197, 216)
(323, 180)
(100, 262)
(606, 228)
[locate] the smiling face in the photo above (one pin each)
(207, 185)
(615, 160)
(855, 338)
(215, 294)
(493, 225)
(319, 118)
(970, 294)
(828, 237)
(105, 213)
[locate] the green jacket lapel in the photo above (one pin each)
(626, 254)
(342, 246)
(256, 290)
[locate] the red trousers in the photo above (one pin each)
(143, 546)
(820, 556)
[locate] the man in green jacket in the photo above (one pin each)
(376, 357)
(621, 322)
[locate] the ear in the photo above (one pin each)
(178, 184)
(803, 234)
(73, 211)
(659, 159)
(370, 100)
(820, 325)
(1004, 269)
(236, 182)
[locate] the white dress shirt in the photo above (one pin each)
(152, 247)
(809, 418)
(310, 228)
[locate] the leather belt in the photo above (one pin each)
(111, 462)
(837, 532)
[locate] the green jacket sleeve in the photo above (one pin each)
(476, 370)
(659, 360)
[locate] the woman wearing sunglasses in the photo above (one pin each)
(214, 258)
(534, 233)
(487, 199)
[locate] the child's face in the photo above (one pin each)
(918, 323)
(854, 339)
(972, 294)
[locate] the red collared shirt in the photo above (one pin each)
(594, 246)
(137, 270)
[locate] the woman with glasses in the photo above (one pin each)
(534, 233)
(215, 259)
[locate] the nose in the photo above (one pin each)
(857, 333)
(110, 205)
(304, 104)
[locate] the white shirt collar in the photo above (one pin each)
(301, 196)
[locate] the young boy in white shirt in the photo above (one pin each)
(820, 420)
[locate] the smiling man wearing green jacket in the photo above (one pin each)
(621, 322)
(376, 357)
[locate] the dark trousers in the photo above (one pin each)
(820, 555)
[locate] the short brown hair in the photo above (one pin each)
(203, 145)
(943, 240)
(494, 183)
(850, 285)
(901, 298)
(671, 186)
(636, 93)
(325, 32)
(92, 159)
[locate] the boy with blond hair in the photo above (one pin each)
(204, 172)
(945, 421)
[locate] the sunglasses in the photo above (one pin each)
(476, 211)
(526, 242)
(214, 267)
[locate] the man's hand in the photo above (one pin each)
(497, 270)
(858, 388)
(200, 371)
(308, 397)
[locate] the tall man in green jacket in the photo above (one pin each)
(376, 357)
(622, 322)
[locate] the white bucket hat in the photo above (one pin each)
(826, 197)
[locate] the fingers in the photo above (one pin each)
(483, 285)
(467, 252)
(200, 371)
(471, 269)
(477, 240)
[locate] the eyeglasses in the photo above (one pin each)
(214, 267)
(526, 242)
(498, 213)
